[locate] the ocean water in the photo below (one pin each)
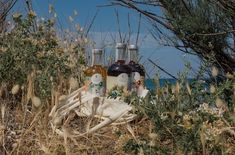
(151, 85)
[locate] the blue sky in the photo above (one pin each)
(106, 24)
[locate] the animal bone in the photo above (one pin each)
(110, 111)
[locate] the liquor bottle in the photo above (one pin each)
(138, 71)
(96, 74)
(119, 73)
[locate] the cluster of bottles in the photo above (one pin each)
(125, 72)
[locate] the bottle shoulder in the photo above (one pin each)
(116, 69)
(95, 69)
(137, 68)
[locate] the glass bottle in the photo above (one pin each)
(138, 71)
(96, 74)
(119, 73)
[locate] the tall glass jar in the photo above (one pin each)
(119, 73)
(96, 74)
(138, 71)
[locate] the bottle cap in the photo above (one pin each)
(97, 51)
(120, 45)
(133, 47)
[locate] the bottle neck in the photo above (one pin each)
(121, 55)
(133, 55)
(120, 62)
(96, 59)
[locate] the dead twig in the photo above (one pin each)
(138, 32)
(118, 23)
(162, 69)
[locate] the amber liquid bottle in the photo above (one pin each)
(119, 73)
(96, 74)
(138, 71)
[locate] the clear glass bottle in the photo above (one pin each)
(96, 74)
(119, 73)
(138, 71)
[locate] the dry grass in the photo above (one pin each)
(26, 129)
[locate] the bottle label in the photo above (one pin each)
(137, 82)
(122, 80)
(136, 76)
(95, 84)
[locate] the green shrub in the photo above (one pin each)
(31, 47)
(189, 117)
